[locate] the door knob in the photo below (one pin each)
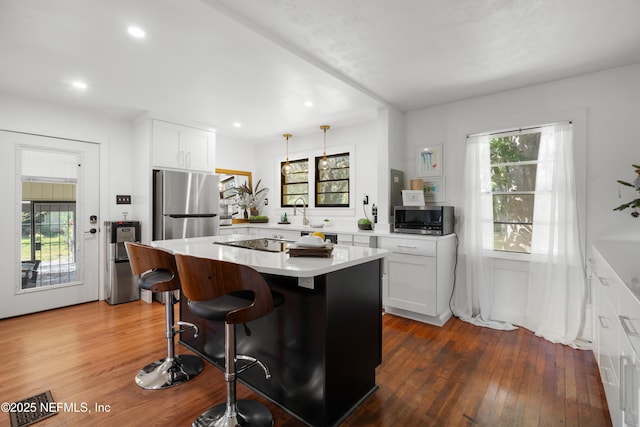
(92, 231)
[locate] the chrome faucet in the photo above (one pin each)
(305, 220)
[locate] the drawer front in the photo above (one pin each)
(279, 234)
(629, 318)
(409, 246)
(605, 279)
(364, 241)
(345, 239)
(608, 329)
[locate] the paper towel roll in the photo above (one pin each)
(417, 184)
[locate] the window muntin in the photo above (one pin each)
(296, 184)
(332, 185)
(514, 161)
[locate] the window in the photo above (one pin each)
(332, 185)
(514, 166)
(296, 184)
(48, 243)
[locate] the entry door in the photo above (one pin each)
(52, 216)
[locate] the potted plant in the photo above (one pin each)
(634, 204)
(252, 199)
(365, 224)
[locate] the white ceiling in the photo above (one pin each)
(258, 61)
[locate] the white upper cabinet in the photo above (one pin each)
(181, 147)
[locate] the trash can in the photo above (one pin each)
(121, 284)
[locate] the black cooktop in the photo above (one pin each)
(264, 244)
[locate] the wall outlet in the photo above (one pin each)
(123, 199)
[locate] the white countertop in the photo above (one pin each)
(381, 231)
(624, 258)
(278, 263)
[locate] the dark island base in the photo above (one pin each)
(322, 345)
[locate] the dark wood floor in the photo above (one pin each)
(458, 375)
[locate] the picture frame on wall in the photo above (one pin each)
(434, 190)
(429, 161)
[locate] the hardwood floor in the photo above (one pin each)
(458, 375)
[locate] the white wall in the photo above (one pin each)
(391, 147)
(234, 154)
(361, 138)
(604, 106)
(113, 135)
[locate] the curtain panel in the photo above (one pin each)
(556, 283)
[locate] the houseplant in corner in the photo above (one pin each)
(252, 199)
(635, 204)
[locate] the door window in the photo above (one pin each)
(48, 223)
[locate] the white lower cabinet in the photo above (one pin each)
(418, 277)
(616, 338)
(279, 234)
(412, 283)
(247, 231)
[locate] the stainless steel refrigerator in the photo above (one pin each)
(185, 204)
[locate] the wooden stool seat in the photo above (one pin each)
(233, 293)
(157, 273)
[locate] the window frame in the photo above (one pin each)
(317, 181)
(283, 183)
(532, 130)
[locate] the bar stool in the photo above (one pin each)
(233, 293)
(158, 273)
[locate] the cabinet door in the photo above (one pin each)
(629, 317)
(411, 283)
(167, 145)
(628, 385)
(199, 149)
(182, 147)
(607, 350)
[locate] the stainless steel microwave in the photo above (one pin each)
(431, 220)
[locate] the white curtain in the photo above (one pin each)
(556, 280)
(556, 283)
(474, 303)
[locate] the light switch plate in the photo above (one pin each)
(123, 199)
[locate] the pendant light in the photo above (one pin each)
(286, 169)
(323, 164)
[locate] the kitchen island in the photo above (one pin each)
(322, 345)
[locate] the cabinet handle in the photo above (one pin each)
(604, 281)
(628, 381)
(628, 327)
(603, 322)
(623, 383)
(407, 247)
(188, 159)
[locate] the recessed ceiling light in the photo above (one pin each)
(79, 85)
(237, 124)
(136, 32)
(308, 103)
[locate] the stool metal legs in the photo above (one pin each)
(236, 412)
(172, 370)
